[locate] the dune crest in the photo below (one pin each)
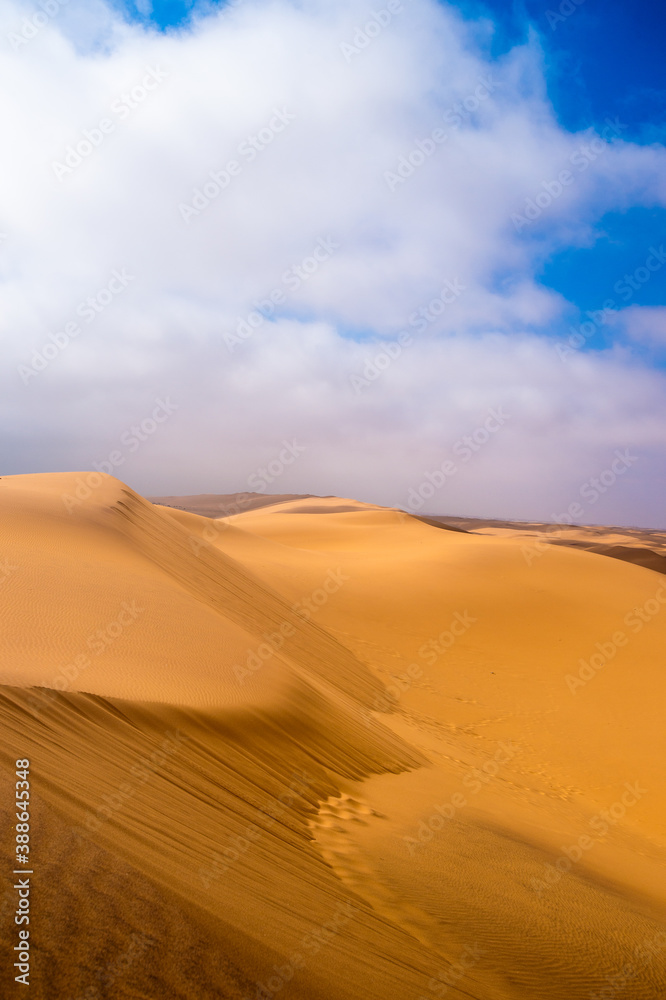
(360, 756)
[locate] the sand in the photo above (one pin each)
(322, 749)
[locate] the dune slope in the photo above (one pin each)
(324, 749)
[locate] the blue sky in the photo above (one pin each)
(606, 57)
(605, 60)
(179, 167)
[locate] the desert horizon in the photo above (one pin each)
(323, 748)
(332, 521)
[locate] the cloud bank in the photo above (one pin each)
(315, 222)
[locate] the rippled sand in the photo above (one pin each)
(323, 749)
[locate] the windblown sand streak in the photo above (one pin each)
(194, 836)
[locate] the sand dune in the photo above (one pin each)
(322, 749)
(223, 504)
(644, 548)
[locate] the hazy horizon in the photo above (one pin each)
(368, 231)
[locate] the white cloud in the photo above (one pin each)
(326, 174)
(645, 324)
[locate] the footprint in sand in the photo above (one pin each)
(333, 829)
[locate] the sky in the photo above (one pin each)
(407, 252)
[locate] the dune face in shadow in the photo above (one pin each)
(320, 749)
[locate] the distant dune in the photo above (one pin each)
(644, 548)
(225, 504)
(635, 545)
(310, 748)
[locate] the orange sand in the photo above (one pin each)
(330, 749)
